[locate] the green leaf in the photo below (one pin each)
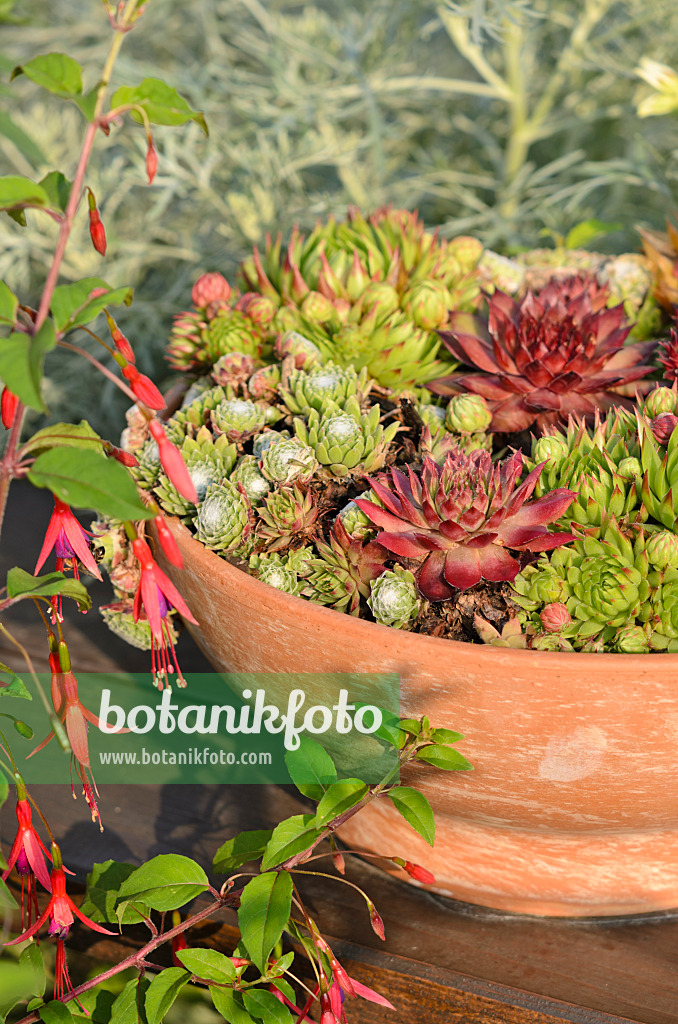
(84, 480)
(7, 901)
(264, 1005)
(16, 984)
(588, 231)
(23, 142)
(289, 838)
(416, 810)
(15, 687)
(339, 798)
(55, 1013)
(58, 188)
(311, 768)
(444, 757)
(128, 1008)
(162, 992)
(19, 216)
(21, 361)
(281, 965)
(65, 435)
(446, 736)
(33, 958)
(411, 725)
(103, 884)
(4, 788)
(16, 191)
(8, 304)
(166, 882)
(230, 1006)
(208, 964)
(162, 103)
(242, 848)
(88, 102)
(264, 911)
(73, 306)
(20, 585)
(54, 71)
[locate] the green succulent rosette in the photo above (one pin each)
(282, 578)
(232, 331)
(631, 640)
(187, 421)
(346, 439)
(238, 418)
(467, 414)
(355, 522)
(658, 489)
(393, 599)
(119, 618)
(286, 513)
(253, 481)
(222, 521)
(262, 442)
(428, 304)
(148, 467)
(288, 459)
(312, 389)
(659, 400)
(545, 582)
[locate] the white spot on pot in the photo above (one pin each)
(568, 758)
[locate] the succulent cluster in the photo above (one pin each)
(323, 467)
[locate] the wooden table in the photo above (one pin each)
(442, 961)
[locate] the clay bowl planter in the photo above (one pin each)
(572, 808)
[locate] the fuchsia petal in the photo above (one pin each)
(368, 993)
(86, 920)
(53, 530)
(172, 594)
(36, 860)
(148, 589)
(33, 929)
(76, 728)
(78, 541)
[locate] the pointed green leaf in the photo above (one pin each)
(208, 965)
(444, 757)
(446, 736)
(58, 188)
(103, 884)
(588, 231)
(15, 687)
(7, 902)
(230, 1006)
(162, 103)
(162, 992)
(54, 71)
(166, 882)
(264, 911)
(65, 435)
(266, 1007)
(339, 798)
(8, 304)
(73, 304)
(55, 1012)
(84, 480)
(21, 363)
(311, 768)
(289, 838)
(416, 810)
(87, 103)
(128, 1008)
(33, 958)
(242, 848)
(20, 584)
(16, 191)
(19, 216)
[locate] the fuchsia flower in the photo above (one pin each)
(28, 855)
(74, 716)
(70, 543)
(155, 597)
(8, 405)
(61, 912)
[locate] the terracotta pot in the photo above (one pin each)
(572, 808)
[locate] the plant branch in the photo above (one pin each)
(9, 459)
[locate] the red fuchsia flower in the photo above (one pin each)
(97, 231)
(460, 519)
(143, 387)
(74, 716)
(28, 855)
(548, 356)
(210, 288)
(151, 160)
(69, 540)
(335, 1001)
(172, 462)
(155, 597)
(61, 912)
(8, 407)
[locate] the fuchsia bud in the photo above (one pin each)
(173, 463)
(8, 404)
(555, 617)
(97, 231)
(168, 543)
(415, 870)
(376, 921)
(120, 341)
(143, 387)
(663, 426)
(339, 862)
(151, 160)
(125, 458)
(210, 288)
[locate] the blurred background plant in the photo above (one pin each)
(515, 120)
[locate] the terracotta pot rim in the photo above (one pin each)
(485, 653)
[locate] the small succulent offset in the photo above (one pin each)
(461, 521)
(223, 518)
(346, 440)
(547, 356)
(393, 598)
